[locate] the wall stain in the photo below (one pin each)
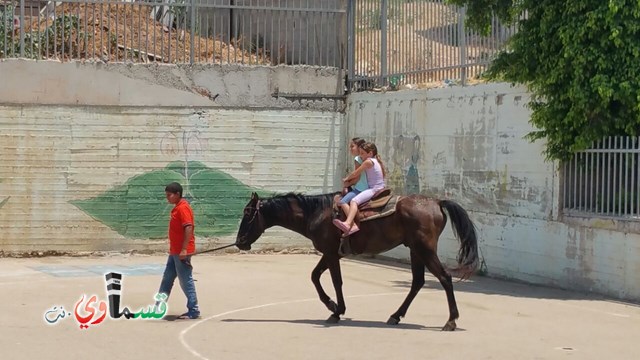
(492, 191)
(396, 177)
(404, 175)
(579, 249)
(439, 159)
(473, 146)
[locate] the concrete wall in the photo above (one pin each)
(54, 83)
(466, 144)
(91, 177)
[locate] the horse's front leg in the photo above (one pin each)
(315, 278)
(336, 277)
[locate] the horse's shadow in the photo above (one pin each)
(348, 322)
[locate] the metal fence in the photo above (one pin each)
(176, 31)
(379, 42)
(604, 180)
(393, 42)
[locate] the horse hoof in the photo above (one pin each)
(333, 319)
(449, 326)
(393, 321)
(332, 306)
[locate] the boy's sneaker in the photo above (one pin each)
(189, 316)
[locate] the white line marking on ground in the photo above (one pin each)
(200, 356)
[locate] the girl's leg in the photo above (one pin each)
(346, 200)
(351, 213)
(345, 208)
(361, 198)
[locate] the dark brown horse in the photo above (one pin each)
(417, 223)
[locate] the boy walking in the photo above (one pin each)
(181, 246)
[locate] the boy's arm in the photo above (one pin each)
(187, 228)
(188, 232)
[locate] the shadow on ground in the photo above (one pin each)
(486, 285)
(346, 322)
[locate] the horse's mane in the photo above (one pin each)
(309, 204)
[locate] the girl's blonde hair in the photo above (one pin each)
(372, 148)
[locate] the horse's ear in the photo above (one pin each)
(254, 196)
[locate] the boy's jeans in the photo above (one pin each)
(183, 270)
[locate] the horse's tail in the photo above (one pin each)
(465, 231)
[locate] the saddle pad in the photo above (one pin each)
(376, 202)
(371, 214)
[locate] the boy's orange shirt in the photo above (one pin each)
(181, 216)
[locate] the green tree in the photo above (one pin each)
(579, 58)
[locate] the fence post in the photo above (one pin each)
(22, 23)
(462, 44)
(351, 36)
(192, 28)
(383, 45)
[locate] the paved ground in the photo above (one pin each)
(265, 307)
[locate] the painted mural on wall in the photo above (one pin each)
(403, 177)
(412, 184)
(138, 208)
(185, 142)
(3, 200)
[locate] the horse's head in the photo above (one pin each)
(252, 225)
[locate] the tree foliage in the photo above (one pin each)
(579, 58)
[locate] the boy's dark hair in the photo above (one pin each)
(174, 188)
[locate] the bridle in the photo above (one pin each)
(256, 211)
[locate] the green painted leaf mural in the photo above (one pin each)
(139, 209)
(4, 201)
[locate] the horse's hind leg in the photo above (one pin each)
(436, 268)
(417, 270)
(326, 300)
